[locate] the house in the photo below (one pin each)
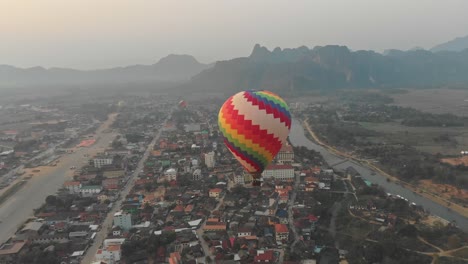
(282, 172)
(215, 192)
(9, 252)
(281, 232)
(175, 258)
(264, 257)
(215, 226)
(110, 184)
(116, 231)
(32, 229)
(170, 174)
(111, 253)
(72, 186)
(48, 239)
(244, 231)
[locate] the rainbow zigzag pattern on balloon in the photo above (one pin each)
(255, 125)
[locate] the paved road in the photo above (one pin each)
(18, 207)
(108, 222)
(290, 213)
(199, 231)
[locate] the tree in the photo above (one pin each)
(453, 241)
(409, 231)
(51, 200)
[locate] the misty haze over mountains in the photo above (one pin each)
(173, 68)
(299, 69)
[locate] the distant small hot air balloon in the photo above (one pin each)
(255, 124)
(182, 104)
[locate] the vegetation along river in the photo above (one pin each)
(298, 138)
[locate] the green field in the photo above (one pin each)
(422, 138)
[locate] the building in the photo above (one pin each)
(197, 175)
(283, 172)
(244, 231)
(264, 257)
(110, 184)
(113, 173)
(285, 155)
(91, 190)
(73, 186)
(239, 179)
(171, 174)
(123, 220)
(111, 253)
(101, 161)
(9, 252)
(281, 232)
(215, 192)
(210, 159)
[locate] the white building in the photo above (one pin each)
(102, 161)
(171, 174)
(123, 220)
(285, 155)
(73, 186)
(283, 172)
(210, 159)
(91, 190)
(197, 175)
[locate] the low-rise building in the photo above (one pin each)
(281, 232)
(101, 161)
(285, 155)
(90, 190)
(215, 192)
(282, 172)
(110, 253)
(73, 186)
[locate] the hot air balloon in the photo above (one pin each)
(255, 124)
(182, 104)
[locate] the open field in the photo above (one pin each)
(444, 190)
(422, 138)
(435, 101)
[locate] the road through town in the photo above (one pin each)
(108, 222)
(19, 206)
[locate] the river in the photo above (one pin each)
(298, 138)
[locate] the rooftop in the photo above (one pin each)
(281, 228)
(7, 249)
(279, 167)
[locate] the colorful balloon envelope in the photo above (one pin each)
(255, 124)
(182, 104)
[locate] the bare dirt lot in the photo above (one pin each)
(444, 190)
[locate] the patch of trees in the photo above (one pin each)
(408, 116)
(36, 254)
(134, 137)
(150, 244)
(26, 145)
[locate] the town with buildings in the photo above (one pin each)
(165, 189)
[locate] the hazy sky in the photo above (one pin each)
(102, 33)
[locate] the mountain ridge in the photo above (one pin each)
(172, 68)
(333, 67)
(457, 44)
